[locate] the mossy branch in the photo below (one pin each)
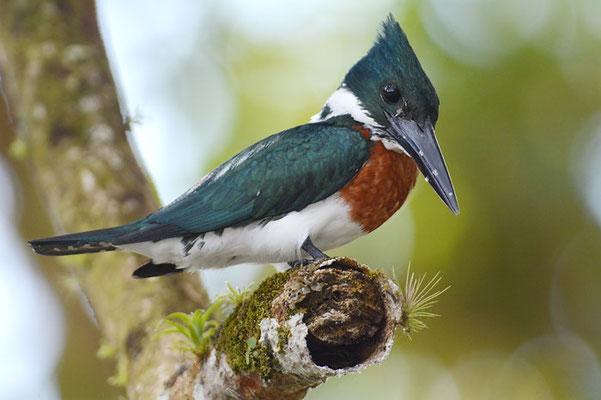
(297, 329)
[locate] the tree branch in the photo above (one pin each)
(310, 323)
(66, 112)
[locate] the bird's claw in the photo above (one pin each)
(300, 263)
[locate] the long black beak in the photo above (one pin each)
(421, 144)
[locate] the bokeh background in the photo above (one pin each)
(520, 127)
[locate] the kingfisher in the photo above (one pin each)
(306, 190)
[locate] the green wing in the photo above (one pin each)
(282, 173)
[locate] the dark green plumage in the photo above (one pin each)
(295, 168)
(282, 173)
(392, 60)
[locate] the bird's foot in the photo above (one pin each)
(300, 263)
(313, 251)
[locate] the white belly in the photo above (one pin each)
(327, 222)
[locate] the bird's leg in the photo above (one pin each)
(313, 251)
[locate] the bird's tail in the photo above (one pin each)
(82, 242)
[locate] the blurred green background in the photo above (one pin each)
(520, 127)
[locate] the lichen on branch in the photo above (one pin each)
(297, 329)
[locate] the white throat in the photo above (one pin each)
(344, 102)
(390, 144)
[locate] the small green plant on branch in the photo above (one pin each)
(251, 345)
(196, 327)
(235, 296)
(417, 299)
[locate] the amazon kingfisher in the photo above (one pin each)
(305, 190)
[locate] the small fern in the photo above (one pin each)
(196, 327)
(235, 296)
(417, 299)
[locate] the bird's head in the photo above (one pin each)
(389, 92)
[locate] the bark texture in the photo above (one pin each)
(311, 323)
(66, 113)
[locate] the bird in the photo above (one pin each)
(298, 193)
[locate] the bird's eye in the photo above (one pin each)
(391, 93)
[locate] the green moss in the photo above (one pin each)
(243, 324)
(18, 149)
(374, 274)
(106, 350)
(283, 336)
(300, 310)
(121, 376)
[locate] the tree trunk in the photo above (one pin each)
(65, 109)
